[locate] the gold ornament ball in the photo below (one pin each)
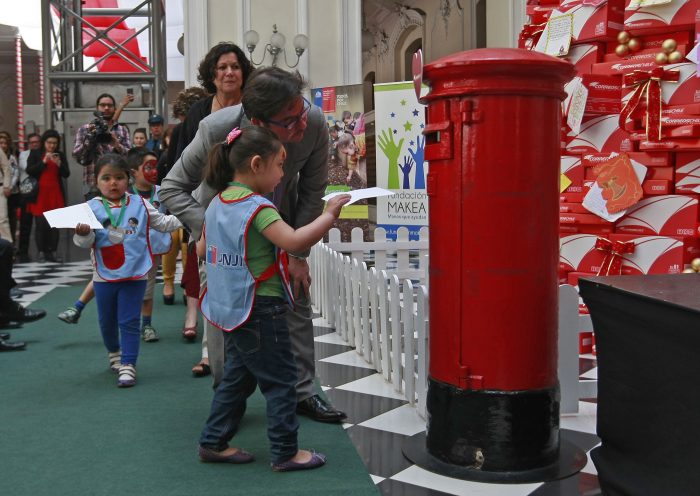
(623, 37)
(675, 57)
(634, 45)
(669, 45)
(621, 50)
(695, 264)
(661, 58)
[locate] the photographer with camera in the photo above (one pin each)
(102, 135)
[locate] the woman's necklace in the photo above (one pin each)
(221, 105)
(216, 97)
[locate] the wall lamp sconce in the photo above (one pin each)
(275, 46)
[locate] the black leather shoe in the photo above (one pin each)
(4, 336)
(9, 324)
(316, 409)
(7, 346)
(169, 299)
(21, 314)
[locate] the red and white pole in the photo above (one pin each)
(20, 91)
(40, 59)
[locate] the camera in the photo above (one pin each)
(100, 132)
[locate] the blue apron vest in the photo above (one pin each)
(228, 299)
(130, 259)
(160, 242)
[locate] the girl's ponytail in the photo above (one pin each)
(235, 153)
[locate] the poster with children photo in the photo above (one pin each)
(347, 170)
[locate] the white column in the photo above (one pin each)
(302, 28)
(244, 22)
(351, 41)
(196, 37)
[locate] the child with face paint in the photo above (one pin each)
(143, 165)
(122, 259)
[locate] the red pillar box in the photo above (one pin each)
(492, 139)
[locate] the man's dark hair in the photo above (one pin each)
(207, 67)
(105, 95)
(270, 90)
(31, 135)
(135, 156)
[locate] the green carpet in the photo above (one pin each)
(66, 429)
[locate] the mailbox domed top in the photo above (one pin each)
(497, 70)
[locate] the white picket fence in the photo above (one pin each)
(379, 305)
(381, 310)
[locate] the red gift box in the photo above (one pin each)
(599, 134)
(585, 342)
(652, 187)
(677, 14)
(597, 229)
(687, 172)
(685, 91)
(578, 253)
(576, 208)
(652, 254)
(568, 197)
(666, 215)
(643, 55)
(594, 23)
(689, 131)
(668, 144)
(661, 159)
(622, 67)
(665, 173)
(603, 94)
(571, 167)
(584, 55)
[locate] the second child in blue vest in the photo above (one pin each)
(144, 171)
(121, 256)
(247, 296)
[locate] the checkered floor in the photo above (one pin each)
(379, 419)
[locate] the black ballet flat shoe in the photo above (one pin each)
(169, 299)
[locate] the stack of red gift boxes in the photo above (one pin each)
(624, 52)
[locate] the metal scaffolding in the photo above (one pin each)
(69, 29)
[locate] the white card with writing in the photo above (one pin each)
(556, 37)
(576, 103)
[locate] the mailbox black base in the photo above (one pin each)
(570, 460)
(493, 431)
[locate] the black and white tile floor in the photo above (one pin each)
(379, 419)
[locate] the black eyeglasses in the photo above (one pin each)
(289, 123)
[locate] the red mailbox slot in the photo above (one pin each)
(492, 139)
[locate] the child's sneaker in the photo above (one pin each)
(115, 360)
(149, 334)
(127, 376)
(70, 315)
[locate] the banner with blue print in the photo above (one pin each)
(399, 124)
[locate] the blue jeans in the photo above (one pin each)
(119, 309)
(257, 354)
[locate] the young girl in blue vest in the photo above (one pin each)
(143, 165)
(247, 296)
(121, 255)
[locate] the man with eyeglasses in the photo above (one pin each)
(26, 219)
(272, 98)
(94, 139)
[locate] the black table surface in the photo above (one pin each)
(677, 289)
